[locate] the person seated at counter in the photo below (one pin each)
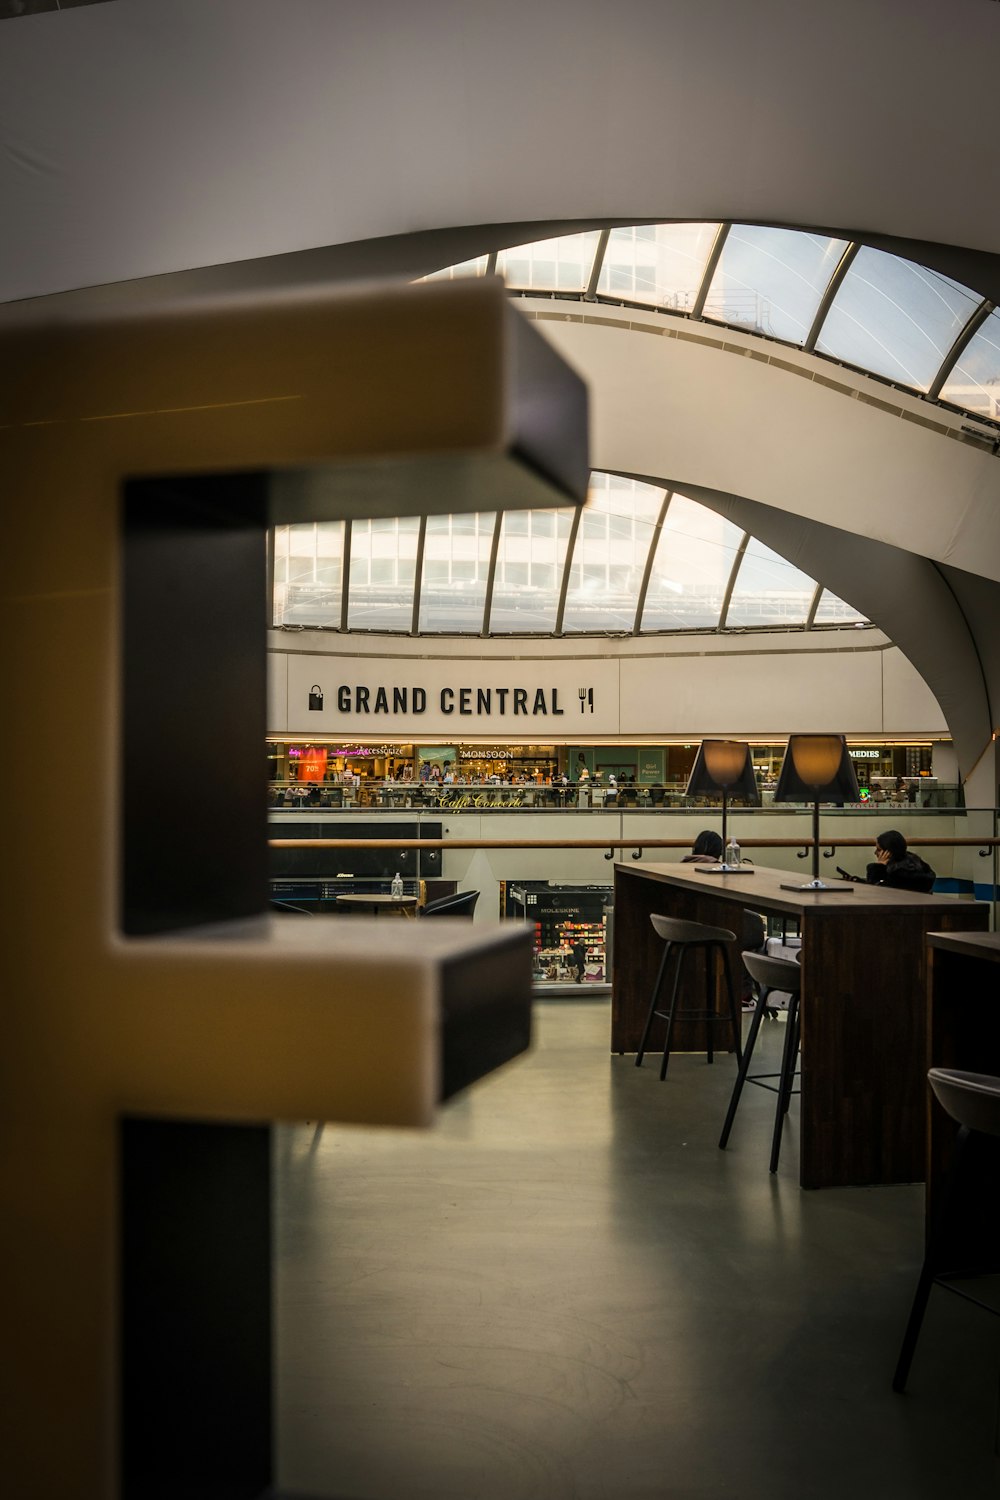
(707, 850)
(896, 866)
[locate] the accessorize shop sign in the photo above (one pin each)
(339, 697)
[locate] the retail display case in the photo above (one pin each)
(572, 931)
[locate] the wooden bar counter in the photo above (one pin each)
(864, 981)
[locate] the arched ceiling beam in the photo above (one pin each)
(786, 430)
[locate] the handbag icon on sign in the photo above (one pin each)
(316, 698)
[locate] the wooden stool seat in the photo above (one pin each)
(681, 937)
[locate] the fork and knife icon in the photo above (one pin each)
(586, 695)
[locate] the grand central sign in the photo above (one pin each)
(538, 697)
(479, 702)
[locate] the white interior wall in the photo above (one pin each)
(643, 690)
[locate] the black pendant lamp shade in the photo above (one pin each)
(817, 768)
(724, 768)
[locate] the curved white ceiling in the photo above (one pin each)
(143, 139)
(697, 411)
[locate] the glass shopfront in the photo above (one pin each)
(334, 774)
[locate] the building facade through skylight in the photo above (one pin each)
(638, 559)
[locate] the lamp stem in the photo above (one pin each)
(725, 801)
(815, 843)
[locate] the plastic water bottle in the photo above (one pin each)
(733, 852)
(397, 887)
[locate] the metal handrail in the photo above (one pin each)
(612, 843)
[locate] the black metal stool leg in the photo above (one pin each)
(788, 1059)
(913, 1326)
(710, 982)
(796, 1045)
(745, 1061)
(928, 1270)
(652, 1004)
(735, 1011)
(673, 1007)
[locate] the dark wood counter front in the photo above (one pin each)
(864, 979)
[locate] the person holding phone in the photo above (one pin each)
(895, 865)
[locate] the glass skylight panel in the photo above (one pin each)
(558, 265)
(456, 568)
(769, 590)
(383, 566)
(834, 611)
(475, 267)
(662, 264)
(529, 571)
(609, 559)
(279, 590)
(308, 573)
(771, 281)
(974, 383)
(691, 567)
(895, 318)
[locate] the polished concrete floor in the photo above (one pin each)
(566, 1291)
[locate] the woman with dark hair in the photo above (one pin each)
(706, 850)
(897, 866)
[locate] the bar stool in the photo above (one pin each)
(770, 974)
(973, 1102)
(681, 937)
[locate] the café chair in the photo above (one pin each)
(973, 1102)
(769, 974)
(679, 939)
(460, 904)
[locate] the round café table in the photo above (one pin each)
(376, 903)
